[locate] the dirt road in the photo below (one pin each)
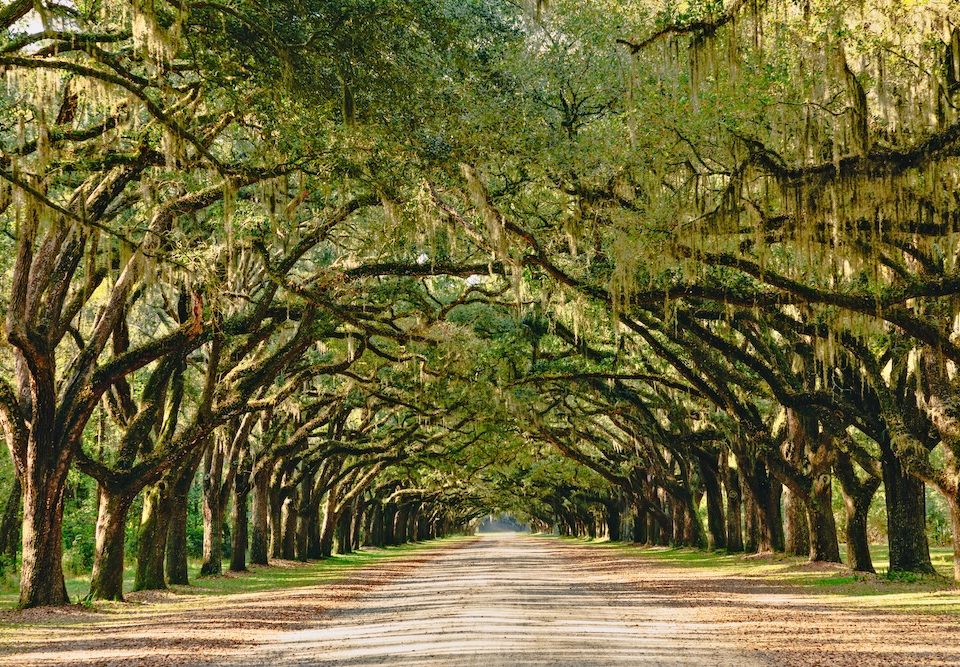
(503, 600)
(513, 600)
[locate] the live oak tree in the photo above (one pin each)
(126, 125)
(374, 269)
(705, 203)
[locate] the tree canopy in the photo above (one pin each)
(365, 271)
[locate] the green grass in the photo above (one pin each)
(308, 574)
(258, 578)
(907, 593)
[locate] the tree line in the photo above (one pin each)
(364, 271)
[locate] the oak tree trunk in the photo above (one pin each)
(666, 522)
(797, 532)
(288, 544)
(344, 531)
(41, 572)
(639, 526)
(238, 552)
(954, 503)
(751, 521)
(212, 516)
(106, 581)
(613, 520)
(260, 519)
(374, 535)
(152, 542)
(822, 525)
(857, 496)
(710, 475)
(653, 530)
(304, 519)
(10, 524)
(359, 521)
(314, 550)
(277, 497)
(858, 547)
(400, 526)
(176, 557)
(768, 518)
(329, 525)
(906, 515)
(731, 482)
(411, 528)
(389, 522)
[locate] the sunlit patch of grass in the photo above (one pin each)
(257, 578)
(260, 578)
(941, 557)
(833, 582)
(836, 581)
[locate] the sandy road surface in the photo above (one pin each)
(505, 600)
(520, 600)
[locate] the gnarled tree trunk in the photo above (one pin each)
(389, 519)
(212, 511)
(751, 524)
(639, 526)
(360, 510)
(106, 581)
(823, 528)
(176, 557)
(797, 533)
(288, 544)
(305, 518)
(152, 543)
(241, 492)
(344, 531)
(710, 475)
(613, 514)
(41, 572)
(260, 519)
(277, 498)
(857, 496)
(10, 523)
(329, 525)
(906, 515)
(731, 482)
(766, 523)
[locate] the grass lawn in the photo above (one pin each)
(285, 574)
(907, 593)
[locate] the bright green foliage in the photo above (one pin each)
(600, 265)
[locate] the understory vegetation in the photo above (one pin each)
(285, 279)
